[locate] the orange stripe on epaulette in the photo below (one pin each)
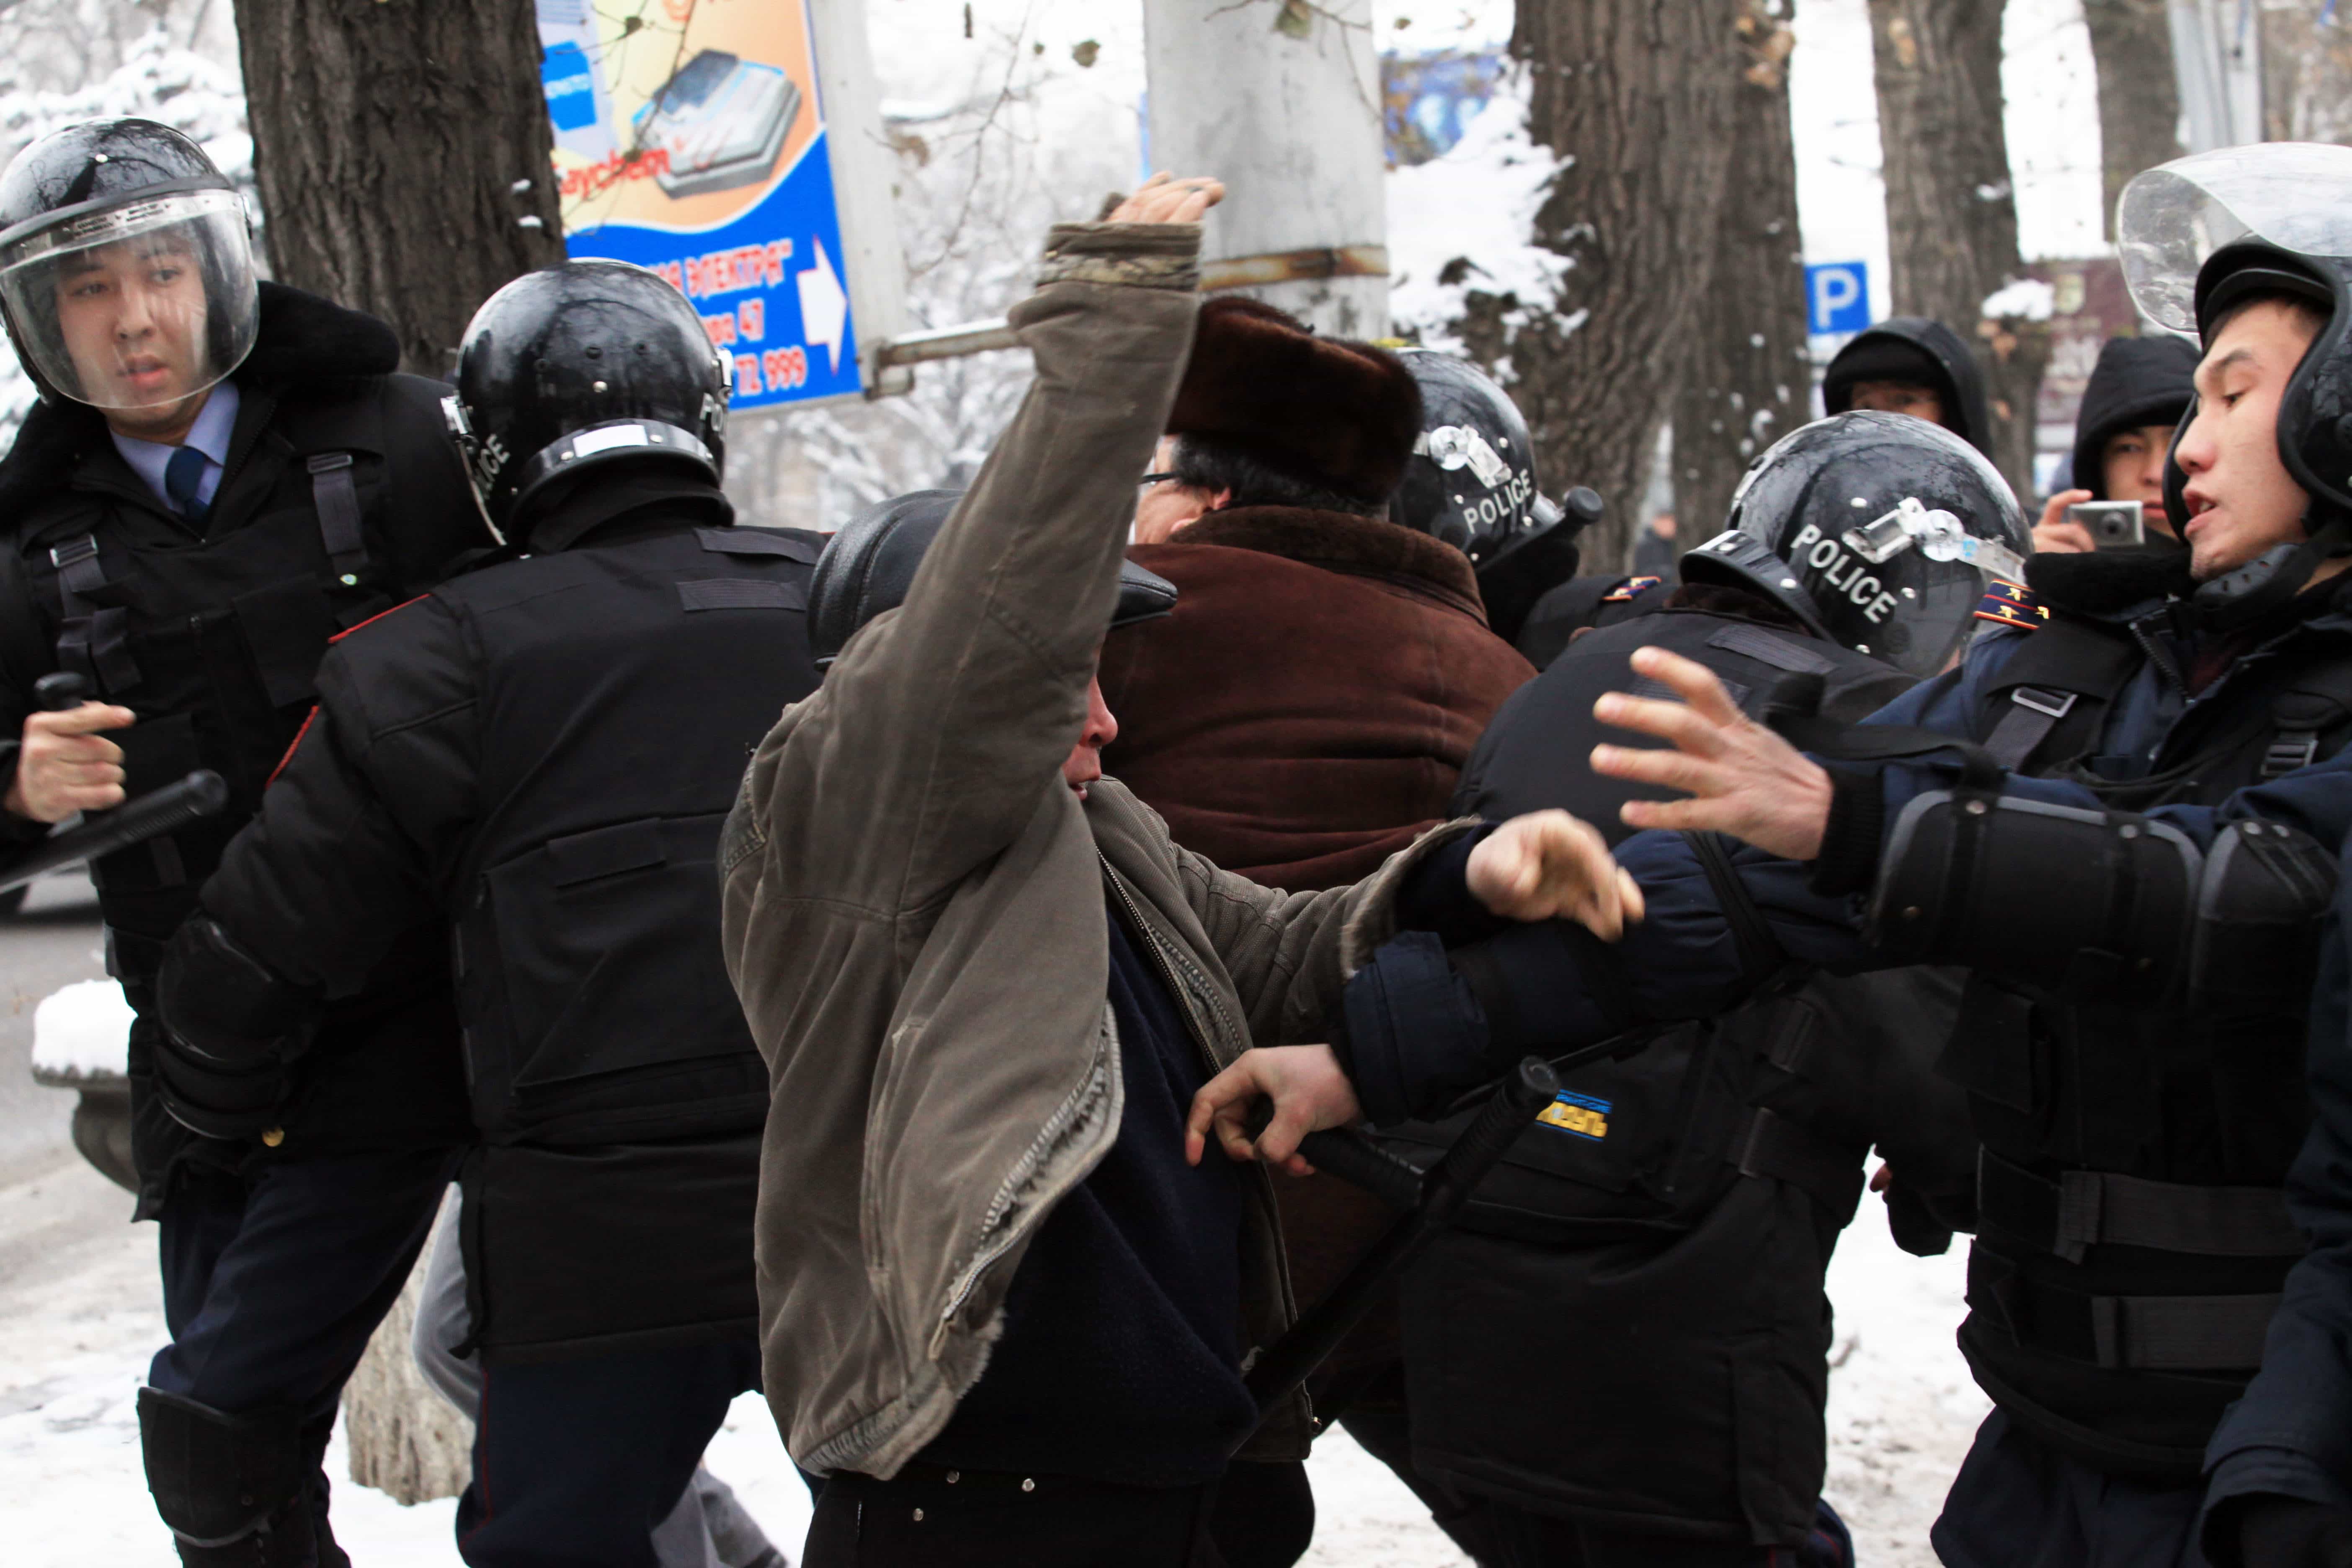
(377, 616)
(2008, 604)
(307, 720)
(1630, 588)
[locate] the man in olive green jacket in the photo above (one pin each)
(916, 878)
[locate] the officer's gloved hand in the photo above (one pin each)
(232, 1031)
(2290, 1532)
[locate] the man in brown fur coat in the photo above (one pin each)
(1307, 709)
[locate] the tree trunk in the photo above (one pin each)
(2306, 71)
(1952, 209)
(402, 149)
(1635, 99)
(1747, 381)
(405, 1440)
(2139, 99)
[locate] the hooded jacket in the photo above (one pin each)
(914, 908)
(1898, 348)
(2137, 381)
(1305, 711)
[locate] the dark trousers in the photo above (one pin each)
(274, 1281)
(2019, 1504)
(922, 1520)
(575, 1461)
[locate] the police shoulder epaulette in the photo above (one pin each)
(377, 616)
(2008, 604)
(1630, 588)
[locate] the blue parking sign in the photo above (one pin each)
(1837, 297)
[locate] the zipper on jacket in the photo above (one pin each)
(1159, 962)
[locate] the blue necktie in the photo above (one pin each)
(181, 475)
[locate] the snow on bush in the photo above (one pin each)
(2028, 298)
(82, 1032)
(1464, 221)
(157, 80)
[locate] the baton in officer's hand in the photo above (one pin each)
(200, 794)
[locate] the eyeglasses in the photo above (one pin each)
(1148, 480)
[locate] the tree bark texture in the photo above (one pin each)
(1952, 209)
(2139, 99)
(1748, 381)
(402, 148)
(406, 1440)
(1634, 96)
(2306, 71)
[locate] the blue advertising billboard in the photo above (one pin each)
(692, 139)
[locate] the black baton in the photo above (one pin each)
(200, 794)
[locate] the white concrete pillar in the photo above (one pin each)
(1281, 99)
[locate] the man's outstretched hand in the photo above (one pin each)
(1309, 1093)
(1166, 199)
(1743, 778)
(1548, 866)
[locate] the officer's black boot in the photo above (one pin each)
(232, 1487)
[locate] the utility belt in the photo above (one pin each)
(2060, 1309)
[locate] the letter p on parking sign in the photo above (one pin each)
(1837, 298)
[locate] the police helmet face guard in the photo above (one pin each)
(1470, 481)
(2200, 234)
(126, 266)
(578, 365)
(1879, 530)
(868, 566)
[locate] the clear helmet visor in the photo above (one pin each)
(2296, 195)
(143, 306)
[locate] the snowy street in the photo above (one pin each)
(81, 1315)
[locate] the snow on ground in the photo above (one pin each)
(1902, 1406)
(79, 1317)
(82, 1030)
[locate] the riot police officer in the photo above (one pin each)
(1672, 1220)
(2136, 898)
(1472, 482)
(537, 758)
(219, 476)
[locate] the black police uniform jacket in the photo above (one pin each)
(1658, 1241)
(2131, 1239)
(342, 494)
(537, 758)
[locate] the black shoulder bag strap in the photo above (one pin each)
(94, 640)
(2318, 700)
(2069, 669)
(336, 496)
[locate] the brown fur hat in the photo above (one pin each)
(1329, 411)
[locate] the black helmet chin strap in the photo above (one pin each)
(2267, 582)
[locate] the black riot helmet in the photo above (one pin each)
(583, 364)
(2201, 235)
(1877, 531)
(1471, 480)
(126, 266)
(867, 567)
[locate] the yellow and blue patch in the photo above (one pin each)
(1630, 588)
(1582, 1115)
(2007, 603)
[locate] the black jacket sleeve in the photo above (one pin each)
(355, 836)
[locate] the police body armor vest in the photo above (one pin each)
(1625, 1323)
(622, 689)
(214, 642)
(2132, 1235)
(615, 1085)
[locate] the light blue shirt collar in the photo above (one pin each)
(216, 422)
